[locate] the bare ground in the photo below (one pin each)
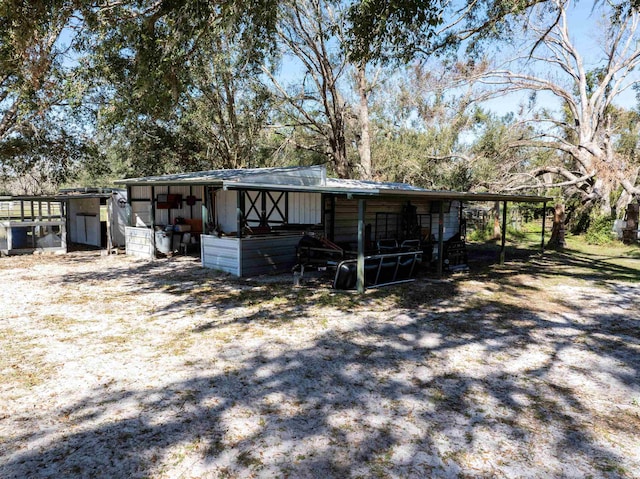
(112, 367)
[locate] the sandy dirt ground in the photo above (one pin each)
(117, 368)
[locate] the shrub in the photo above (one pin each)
(478, 234)
(599, 231)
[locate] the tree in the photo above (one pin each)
(408, 29)
(364, 88)
(174, 83)
(139, 53)
(228, 107)
(583, 133)
(309, 31)
(39, 137)
(421, 129)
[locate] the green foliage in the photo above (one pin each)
(407, 29)
(144, 50)
(148, 87)
(39, 141)
(531, 227)
(383, 29)
(599, 231)
(480, 234)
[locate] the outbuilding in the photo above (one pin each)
(251, 221)
(88, 217)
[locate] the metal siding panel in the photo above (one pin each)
(268, 255)
(138, 242)
(140, 192)
(317, 216)
(306, 212)
(346, 220)
(293, 209)
(226, 210)
(276, 216)
(180, 190)
(141, 213)
(304, 208)
(220, 254)
(451, 222)
(185, 210)
(198, 192)
(252, 214)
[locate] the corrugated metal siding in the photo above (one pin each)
(139, 242)
(305, 208)
(195, 211)
(180, 190)
(221, 253)
(268, 254)
(78, 226)
(346, 218)
(140, 192)
(185, 210)
(162, 216)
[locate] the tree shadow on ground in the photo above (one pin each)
(445, 383)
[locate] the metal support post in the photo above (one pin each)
(544, 218)
(504, 232)
(360, 266)
(441, 239)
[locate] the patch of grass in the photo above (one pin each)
(77, 297)
(611, 465)
(22, 363)
(57, 321)
(177, 345)
(247, 460)
(613, 249)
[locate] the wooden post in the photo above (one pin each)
(360, 266)
(110, 211)
(129, 203)
(441, 239)
(504, 232)
(544, 221)
(204, 212)
(153, 220)
(239, 212)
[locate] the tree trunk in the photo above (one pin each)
(364, 145)
(630, 232)
(557, 232)
(603, 190)
(497, 232)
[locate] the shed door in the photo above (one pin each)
(265, 208)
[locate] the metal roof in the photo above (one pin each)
(385, 190)
(282, 175)
(313, 180)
